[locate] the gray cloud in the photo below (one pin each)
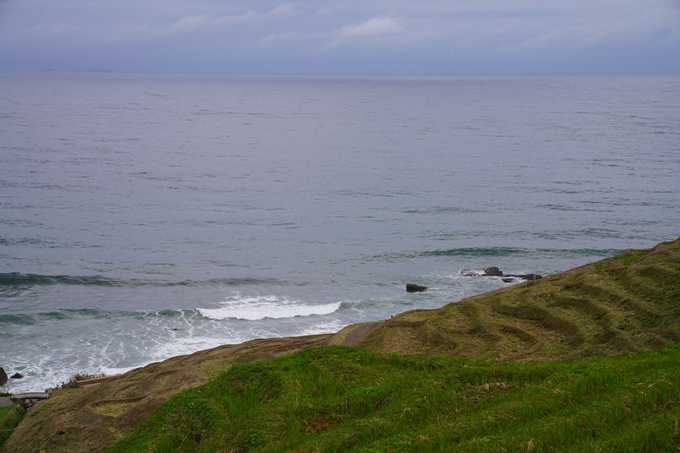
(376, 26)
(274, 36)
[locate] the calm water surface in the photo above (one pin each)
(145, 216)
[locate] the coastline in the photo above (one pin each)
(141, 390)
(609, 308)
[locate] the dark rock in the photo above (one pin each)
(3, 377)
(508, 280)
(17, 376)
(493, 272)
(413, 288)
(527, 276)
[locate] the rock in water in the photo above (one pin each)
(493, 272)
(413, 288)
(16, 376)
(523, 277)
(3, 377)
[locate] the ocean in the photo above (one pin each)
(147, 216)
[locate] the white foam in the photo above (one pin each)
(183, 346)
(112, 371)
(326, 327)
(254, 308)
(471, 273)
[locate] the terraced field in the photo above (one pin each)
(622, 304)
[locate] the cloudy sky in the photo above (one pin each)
(341, 37)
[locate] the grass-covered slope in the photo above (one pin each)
(339, 399)
(627, 303)
(78, 420)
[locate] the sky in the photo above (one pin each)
(395, 37)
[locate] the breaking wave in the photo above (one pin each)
(255, 308)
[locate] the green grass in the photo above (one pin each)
(335, 399)
(630, 256)
(4, 411)
(9, 418)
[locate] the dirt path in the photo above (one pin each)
(358, 334)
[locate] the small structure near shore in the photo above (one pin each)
(30, 398)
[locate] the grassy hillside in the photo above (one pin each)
(523, 333)
(339, 399)
(89, 419)
(622, 304)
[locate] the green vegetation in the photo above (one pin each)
(9, 418)
(335, 399)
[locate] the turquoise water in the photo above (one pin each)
(145, 216)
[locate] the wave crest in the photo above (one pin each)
(255, 308)
(17, 279)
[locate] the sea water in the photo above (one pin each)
(146, 216)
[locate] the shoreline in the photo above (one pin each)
(609, 308)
